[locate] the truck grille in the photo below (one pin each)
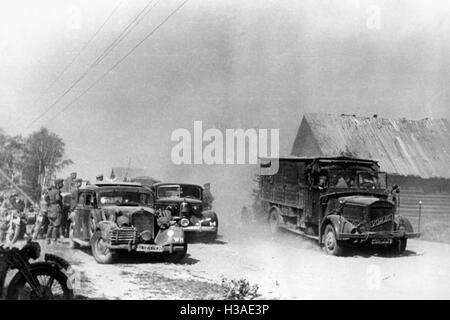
(124, 235)
(381, 218)
(143, 221)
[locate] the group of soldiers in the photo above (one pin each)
(53, 217)
(12, 209)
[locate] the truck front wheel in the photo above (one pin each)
(273, 222)
(398, 247)
(332, 246)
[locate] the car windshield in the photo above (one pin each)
(179, 191)
(124, 197)
(355, 179)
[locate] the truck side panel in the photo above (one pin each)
(286, 187)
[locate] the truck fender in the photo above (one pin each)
(339, 223)
(106, 227)
(401, 221)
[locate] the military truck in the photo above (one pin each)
(339, 201)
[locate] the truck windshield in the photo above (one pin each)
(124, 198)
(179, 191)
(357, 179)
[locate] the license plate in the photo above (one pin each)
(149, 248)
(381, 241)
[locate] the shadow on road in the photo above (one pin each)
(197, 238)
(368, 252)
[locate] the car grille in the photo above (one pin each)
(143, 221)
(124, 235)
(381, 218)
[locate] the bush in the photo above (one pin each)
(239, 290)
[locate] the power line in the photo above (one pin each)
(79, 53)
(126, 31)
(99, 59)
(120, 60)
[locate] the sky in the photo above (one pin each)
(228, 63)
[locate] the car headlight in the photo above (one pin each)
(170, 233)
(184, 222)
(163, 222)
(146, 235)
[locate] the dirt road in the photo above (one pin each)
(287, 267)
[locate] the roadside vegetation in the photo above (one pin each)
(239, 289)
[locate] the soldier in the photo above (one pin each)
(55, 206)
(74, 194)
(69, 183)
(42, 218)
(99, 177)
(207, 196)
(5, 219)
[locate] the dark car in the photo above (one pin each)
(113, 217)
(185, 202)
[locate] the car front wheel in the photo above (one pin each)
(100, 249)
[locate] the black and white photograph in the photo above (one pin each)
(232, 151)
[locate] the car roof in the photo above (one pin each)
(100, 185)
(176, 183)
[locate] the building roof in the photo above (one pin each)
(404, 147)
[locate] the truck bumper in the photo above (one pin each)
(378, 235)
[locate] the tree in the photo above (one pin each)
(43, 157)
(11, 156)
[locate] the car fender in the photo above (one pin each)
(172, 235)
(106, 227)
(210, 214)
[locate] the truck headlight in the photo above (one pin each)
(170, 233)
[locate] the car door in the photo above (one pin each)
(83, 216)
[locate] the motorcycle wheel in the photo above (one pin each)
(53, 282)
